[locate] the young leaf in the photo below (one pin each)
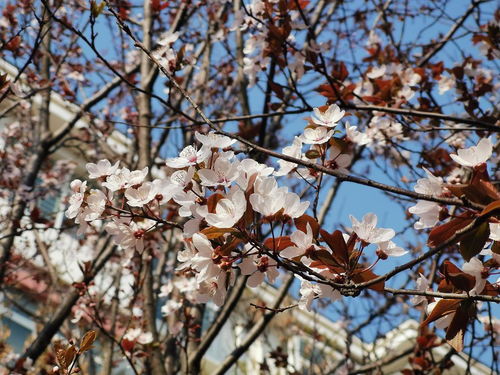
(472, 243)
(213, 232)
(442, 308)
(302, 221)
(492, 207)
(337, 244)
(69, 355)
(278, 243)
(367, 276)
(443, 232)
(87, 341)
(459, 279)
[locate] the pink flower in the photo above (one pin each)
(474, 155)
(376, 72)
(476, 268)
(308, 291)
(367, 231)
(495, 231)
(268, 199)
(316, 136)
(213, 290)
(189, 156)
(259, 267)
(124, 178)
(389, 248)
(423, 285)
(329, 118)
(137, 335)
(95, 205)
(303, 242)
(101, 169)
(249, 168)
(223, 173)
(293, 207)
(229, 210)
(356, 136)
(213, 140)
(128, 236)
(140, 196)
(203, 261)
(339, 161)
(76, 199)
(295, 150)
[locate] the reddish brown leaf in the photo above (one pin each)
(87, 341)
(442, 308)
(302, 221)
(472, 243)
(337, 244)
(443, 232)
(213, 232)
(493, 207)
(367, 276)
(458, 278)
(212, 201)
(69, 355)
(278, 243)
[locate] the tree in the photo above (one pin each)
(195, 174)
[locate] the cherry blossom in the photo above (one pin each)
(187, 201)
(103, 168)
(294, 150)
(423, 285)
(367, 231)
(303, 243)
(316, 136)
(446, 83)
(124, 178)
(329, 118)
(427, 210)
(213, 289)
(389, 248)
(338, 160)
(268, 198)
(258, 267)
(474, 155)
(222, 173)
(76, 199)
(249, 168)
(494, 231)
(214, 140)
(293, 207)
(128, 235)
(170, 306)
(142, 195)
(95, 205)
(138, 335)
(353, 135)
(308, 292)
(204, 261)
(476, 268)
(376, 72)
(229, 210)
(189, 156)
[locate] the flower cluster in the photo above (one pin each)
(224, 202)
